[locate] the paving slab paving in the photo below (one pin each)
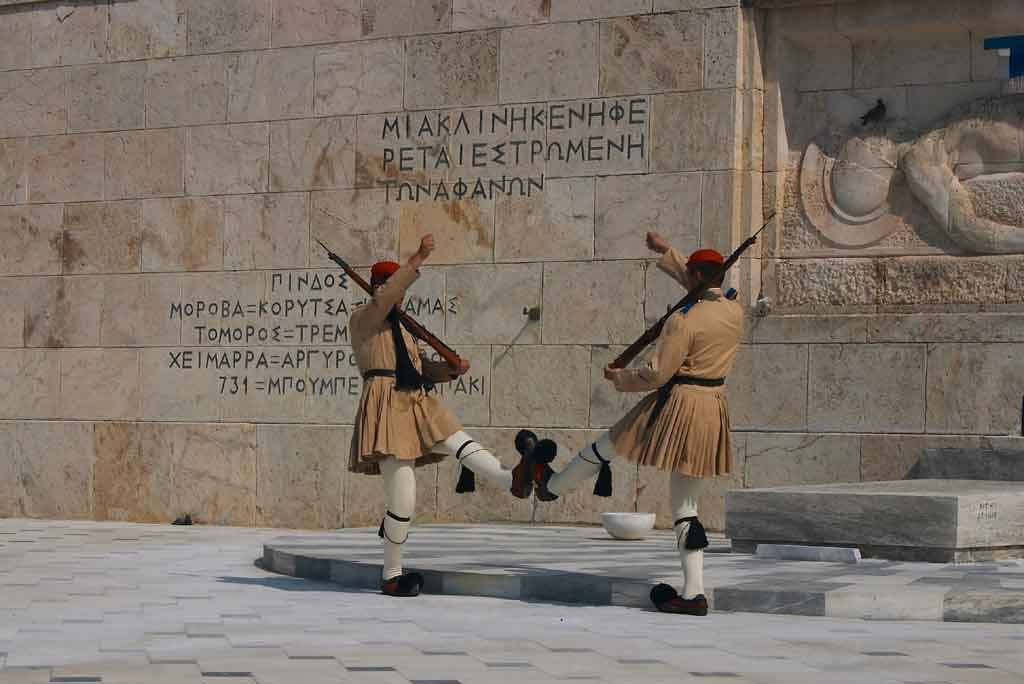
(585, 565)
(122, 603)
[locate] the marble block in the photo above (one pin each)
(970, 464)
(922, 520)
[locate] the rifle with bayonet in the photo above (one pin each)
(449, 355)
(691, 298)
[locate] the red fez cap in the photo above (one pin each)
(382, 270)
(706, 256)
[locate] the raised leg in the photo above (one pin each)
(476, 458)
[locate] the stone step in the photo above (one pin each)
(921, 520)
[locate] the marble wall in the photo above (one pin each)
(174, 340)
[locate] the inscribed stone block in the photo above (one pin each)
(312, 154)
(360, 78)
(301, 476)
(63, 312)
(171, 394)
(336, 387)
(463, 229)
(386, 155)
(106, 97)
(214, 288)
(146, 29)
(469, 396)
(33, 102)
(695, 131)
(489, 303)
(102, 237)
(186, 91)
(65, 168)
(477, 14)
(599, 137)
(926, 57)
(266, 231)
(652, 54)
(629, 206)
(85, 371)
(775, 459)
(489, 502)
(29, 383)
(136, 310)
(231, 159)
(767, 388)
(276, 394)
(975, 388)
(167, 470)
(270, 84)
(405, 17)
(555, 225)
(228, 25)
(867, 388)
(13, 180)
(145, 163)
(184, 234)
(50, 471)
(537, 63)
(459, 69)
(593, 303)
(31, 239)
(567, 10)
(305, 22)
(544, 386)
(357, 224)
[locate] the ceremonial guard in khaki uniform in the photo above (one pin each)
(680, 427)
(400, 424)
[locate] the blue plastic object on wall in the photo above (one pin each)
(1015, 44)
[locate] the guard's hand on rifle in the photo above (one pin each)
(656, 243)
(610, 373)
(462, 368)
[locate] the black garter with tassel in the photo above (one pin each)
(467, 479)
(696, 536)
(603, 486)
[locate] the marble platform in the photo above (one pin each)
(583, 565)
(934, 520)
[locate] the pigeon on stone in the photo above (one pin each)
(876, 114)
(183, 520)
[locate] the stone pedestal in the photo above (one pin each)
(935, 520)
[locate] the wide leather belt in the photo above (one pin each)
(378, 373)
(666, 389)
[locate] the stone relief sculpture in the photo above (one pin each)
(968, 172)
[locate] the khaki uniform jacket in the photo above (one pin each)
(691, 433)
(390, 422)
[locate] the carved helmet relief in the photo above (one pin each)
(967, 171)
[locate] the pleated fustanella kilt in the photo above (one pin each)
(689, 436)
(400, 423)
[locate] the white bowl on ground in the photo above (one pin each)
(628, 525)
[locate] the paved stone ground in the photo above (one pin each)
(525, 562)
(127, 604)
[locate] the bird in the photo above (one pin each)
(877, 113)
(183, 520)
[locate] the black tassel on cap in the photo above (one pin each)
(467, 481)
(603, 486)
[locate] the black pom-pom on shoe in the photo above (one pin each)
(663, 593)
(544, 452)
(526, 441)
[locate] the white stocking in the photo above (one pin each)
(684, 492)
(474, 456)
(400, 486)
(583, 466)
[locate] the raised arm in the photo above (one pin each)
(392, 291)
(671, 262)
(669, 352)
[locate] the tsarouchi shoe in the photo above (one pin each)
(533, 469)
(666, 599)
(408, 584)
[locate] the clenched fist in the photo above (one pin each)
(656, 243)
(426, 246)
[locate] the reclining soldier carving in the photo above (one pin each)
(968, 172)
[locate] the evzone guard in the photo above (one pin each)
(399, 424)
(681, 427)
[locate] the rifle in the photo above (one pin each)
(691, 298)
(449, 355)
